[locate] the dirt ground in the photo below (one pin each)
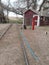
(39, 42)
(10, 48)
(3, 26)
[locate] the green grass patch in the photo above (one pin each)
(19, 21)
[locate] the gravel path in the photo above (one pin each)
(3, 26)
(39, 42)
(10, 49)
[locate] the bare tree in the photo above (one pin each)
(19, 5)
(7, 10)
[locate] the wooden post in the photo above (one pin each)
(33, 23)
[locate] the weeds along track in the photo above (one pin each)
(23, 47)
(4, 32)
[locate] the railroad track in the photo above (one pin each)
(24, 40)
(22, 44)
(23, 47)
(3, 33)
(21, 41)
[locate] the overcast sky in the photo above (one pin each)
(5, 1)
(11, 1)
(11, 13)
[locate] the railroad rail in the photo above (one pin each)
(5, 31)
(23, 40)
(29, 48)
(23, 47)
